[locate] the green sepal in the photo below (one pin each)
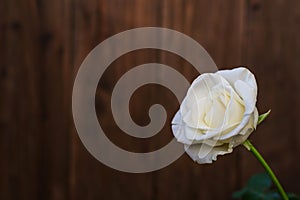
(262, 117)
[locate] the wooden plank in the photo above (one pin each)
(217, 26)
(272, 52)
(34, 130)
(42, 44)
(55, 40)
(19, 124)
(94, 22)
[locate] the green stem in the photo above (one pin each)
(251, 148)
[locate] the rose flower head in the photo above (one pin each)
(217, 114)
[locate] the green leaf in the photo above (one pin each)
(272, 196)
(262, 117)
(253, 195)
(248, 194)
(293, 196)
(239, 194)
(259, 187)
(260, 182)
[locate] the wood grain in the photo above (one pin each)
(271, 52)
(43, 44)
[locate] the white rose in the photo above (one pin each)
(217, 114)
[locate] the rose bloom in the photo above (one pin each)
(217, 114)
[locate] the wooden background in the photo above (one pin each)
(42, 46)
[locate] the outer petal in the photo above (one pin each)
(244, 83)
(178, 129)
(235, 131)
(246, 131)
(255, 116)
(248, 94)
(188, 135)
(247, 125)
(202, 153)
(240, 73)
(177, 119)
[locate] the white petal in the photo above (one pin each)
(240, 73)
(255, 117)
(244, 84)
(235, 109)
(202, 153)
(235, 131)
(177, 118)
(248, 95)
(178, 129)
(198, 100)
(193, 111)
(189, 135)
(246, 131)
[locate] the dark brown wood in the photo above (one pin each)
(43, 44)
(271, 51)
(35, 64)
(212, 25)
